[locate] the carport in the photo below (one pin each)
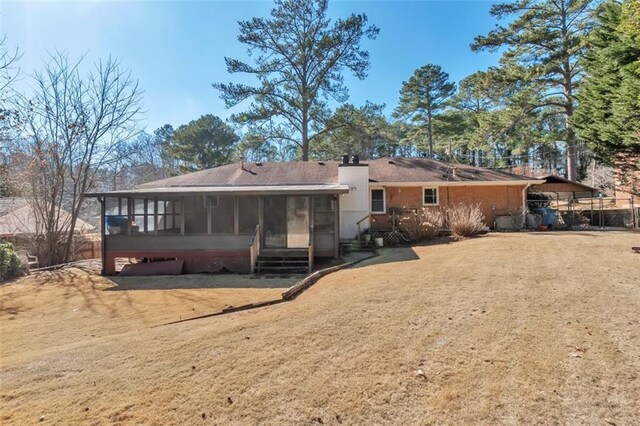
(578, 204)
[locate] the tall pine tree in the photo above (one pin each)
(424, 97)
(299, 56)
(544, 46)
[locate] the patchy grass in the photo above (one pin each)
(507, 328)
(51, 309)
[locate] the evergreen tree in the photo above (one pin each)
(204, 143)
(363, 131)
(608, 116)
(424, 97)
(299, 57)
(544, 46)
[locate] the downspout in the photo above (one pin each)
(524, 205)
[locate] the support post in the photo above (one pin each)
(336, 227)
(103, 234)
(182, 219)
(155, 216)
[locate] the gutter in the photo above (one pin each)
(374, 184)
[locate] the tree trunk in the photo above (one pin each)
(430, 135)
(572, 161)
(305, 137)
(572, 154)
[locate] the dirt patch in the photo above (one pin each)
(507, 328)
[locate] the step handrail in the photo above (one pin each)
(254, 248)
(362, 220)
(310, 249)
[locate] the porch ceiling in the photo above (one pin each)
(228, 190)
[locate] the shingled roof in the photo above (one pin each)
(250, 174)
(18, 217)
(326, 172)
(426, 170)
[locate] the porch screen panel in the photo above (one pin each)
(247, 214)
(222, 216)
(116, 220)
(142, 216)
(169, 212)
(323, 214)
(195, 215)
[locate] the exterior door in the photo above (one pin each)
(297, 222)
(275, 222)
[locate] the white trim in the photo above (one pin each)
(459, 183)
(384, 201)
(437, 196)
(230, 190)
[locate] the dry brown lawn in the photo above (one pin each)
(522, 328)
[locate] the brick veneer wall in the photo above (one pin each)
(493, 200)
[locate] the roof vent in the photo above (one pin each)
(320, 163)
(258, 163)
(391, 162)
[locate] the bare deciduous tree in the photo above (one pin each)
(8, 70)
(74, 122)
(9, 119)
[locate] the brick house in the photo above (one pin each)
(230, 217)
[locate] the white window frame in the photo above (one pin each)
(384, 201)
(437, 195)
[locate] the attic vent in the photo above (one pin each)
(391, 162)
(321, 163)
(258, 164)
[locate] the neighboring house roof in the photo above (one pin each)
(9, 204)
(17, 217)
(386, 169)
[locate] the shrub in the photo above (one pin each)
(537, 200)
(10, 265)
(419, 224)
(465, 220)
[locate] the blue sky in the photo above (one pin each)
(176, 49)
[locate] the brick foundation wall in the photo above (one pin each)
(194, 261)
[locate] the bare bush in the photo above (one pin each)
(420, 224)
(465, 220)
(74, 123)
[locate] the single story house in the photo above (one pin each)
(18, 218)
(232, 216)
